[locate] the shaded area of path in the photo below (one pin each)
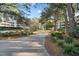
(25, 46)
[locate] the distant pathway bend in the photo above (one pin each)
(25, 46)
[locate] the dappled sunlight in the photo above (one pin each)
(27, 54)
(16, 47)
(36, 44)
(15, 41)
(24, 28)
(24, 45)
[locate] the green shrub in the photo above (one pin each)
(49, 26)
(74, 32)
(68, 39)
(60, 42)
(5, 34)
(54, 39)
(62, 30)
(69, 45)
(26, 33)
(11, 34)
(29, 33)
(76, 43)
(57, 34)
(68, 49)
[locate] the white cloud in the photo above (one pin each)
(39, 11)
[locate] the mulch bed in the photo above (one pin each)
(52, 48)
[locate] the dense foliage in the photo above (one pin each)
(69, 45)
(15, 34)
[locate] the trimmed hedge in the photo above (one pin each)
(10, 34)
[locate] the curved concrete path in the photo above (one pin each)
(25, 46)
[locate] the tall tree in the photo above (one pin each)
(13, 9)
(71, 13)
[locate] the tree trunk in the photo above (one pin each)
(66, 21)
(56, 18)
(55, 21)
(71, 14)
(55, 26)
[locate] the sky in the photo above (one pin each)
(35, 9)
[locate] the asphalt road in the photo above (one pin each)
(25, 46)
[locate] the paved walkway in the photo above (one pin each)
(26, 46)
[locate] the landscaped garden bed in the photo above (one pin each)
(6, 35)
(59, 44)
(52, 47)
